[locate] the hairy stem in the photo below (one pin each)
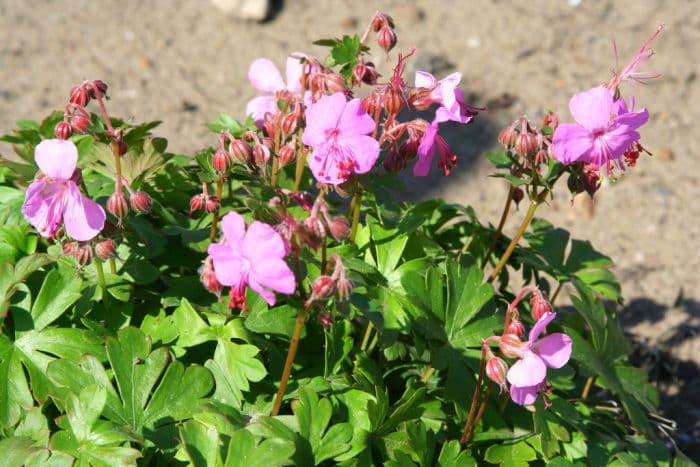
(587, 388)
(482, 407)
(215, 221)
(291, 354)
(499, 229)
(514, 242)
(472, 408)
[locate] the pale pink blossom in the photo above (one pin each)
(251, 257)
(265, 77)
(536, 355)
(448, 95)
(337, 130)
(54, 198)
(605, 128)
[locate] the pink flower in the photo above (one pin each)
(429, 145)
(527, 375)
(605, 129)
(252, 257)
(448, 95)
(265, 76)
(54, 197)
(337, 130)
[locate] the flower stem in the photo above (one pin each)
(112, 266)
(514, 242)
(587, 388)
(482, 407)
(101, 278)
(291, 354)
(368, 332)
(215, 221)
(556, 293)
(355, 206)
(499, 230)
(472, 408)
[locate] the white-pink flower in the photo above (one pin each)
(337, 131)
(54, 198)
(265, 76)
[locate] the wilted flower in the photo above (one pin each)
(337, 130)
(252, 256)
(55, 198)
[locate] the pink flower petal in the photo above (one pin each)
(57, 158)
(268, 296)
(265, 76)
(424, 80)
(274, 274)
(448, 86)
(262, 241)
(554, 349)
(364, 150)
(529, 371)
(540, 326)
(322, 118)
(229, 267)
(354, 120)
(572, 143)
(233, 226)
(324, 167)
(294, 72)
(524, 395)
(259, 106)
(83, 218)
(426, 152)
(592, 108)
(44, 205)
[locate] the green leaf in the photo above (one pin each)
(14, 390)
(518, 454)
(339, 343)
(233, 366)
(453, 456)
(84, 410)
(15, 450)
(243, 451)
(59, 291)
(314, 415)
(201, 444)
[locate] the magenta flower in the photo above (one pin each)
(252, 257)
(265, 76)
(337, 131)
(430, 144)
(54, 198)
(527, 375)
(448, 95)
(605, 129)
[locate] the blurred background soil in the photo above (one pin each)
(183, 62)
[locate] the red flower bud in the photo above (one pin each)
(515, 327)
(261, 154)
(496, 370)
(344, 287)
(97, 88)
(63, 130)
(540, 305)
(334, 82)
(79, 96)
(511, 346)
(117, 204)
(80, 123)
(141, 202)
(197, 202)
(507, 137)
(212, 204)
(315, 227)
(106, 249)
(121, 147)
(208, 277)
(323, 287)
(290, 123)
(240, 151)
(69, 248)
(325, 319)
(393, 100)
(83, 254)
(518, 195)
(287, 153)
(526, 144)
(221, 160)
(386, 38)
(339, 228)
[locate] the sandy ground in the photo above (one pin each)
(184, 62)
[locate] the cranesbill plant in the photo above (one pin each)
(266, 301)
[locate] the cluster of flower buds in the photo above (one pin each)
(204, 202)
(530, 145)
(335, 285)
(402, 150)
(118, 205)
(527, 376)
(75, 118)
(383, 25)
(364, 73)
(584, 177)
(83, 252)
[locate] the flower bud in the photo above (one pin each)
(212, 204)
(140, 202)
(287, 153)
(117, 204)
(240, 151)
(79, 96)
(516, 327)
(80, 123)
(97, 88)
(540, 305)
(325, 319)
(63, 130)
(121, 147)
(525, 144)
(261, 154)
(315, 226)
(370, 104)
(197, 202)
(208, 277)
(371, 75)
(551, 120)
(334, 82)
(496, 370)
(518, 195)
(511, 346)
(106, 249)
(344, 287)
(221, 160)
(358, 72)
(83, 254)
(393, 100)
(591, 181)
(386, 38)
(290, 123)
(69, 248)
(339, 228)
(323, 287)
(507, 137)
